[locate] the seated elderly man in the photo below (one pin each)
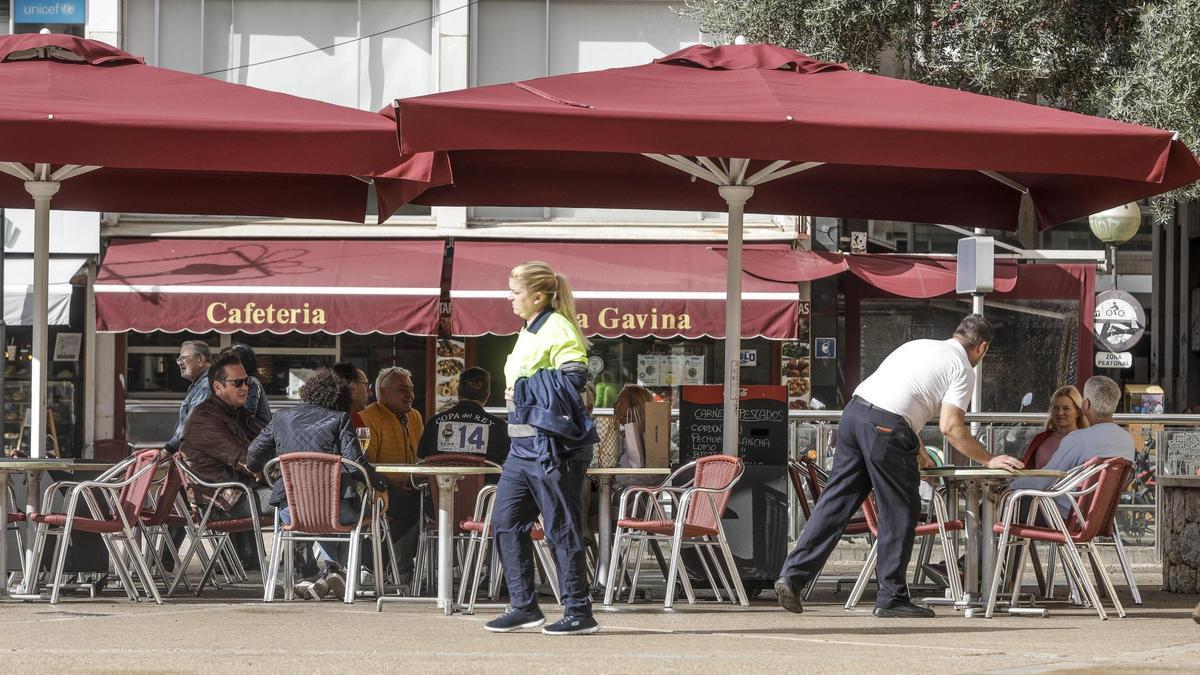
(395, 434)
(320, 424)
(215, 439)
(1103, 438)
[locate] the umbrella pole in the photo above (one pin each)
(735, 197)
(41, 191)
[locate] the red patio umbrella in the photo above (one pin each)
(799, 135)
(95, 128)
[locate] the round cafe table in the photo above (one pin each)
(447, 478)
(604, 478)
(11, 465)
(977, 484)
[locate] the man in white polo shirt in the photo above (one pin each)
(878, 450)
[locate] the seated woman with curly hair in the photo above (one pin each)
(320, 424)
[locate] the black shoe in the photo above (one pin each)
(572, 625)
(903, 610)
(516, 619)
(788, 596)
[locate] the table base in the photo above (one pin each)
(974, 606)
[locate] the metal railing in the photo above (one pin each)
(813, 432)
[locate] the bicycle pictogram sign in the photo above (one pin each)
(1119, 321)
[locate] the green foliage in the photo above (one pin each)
(1055, 52)
(854, 32)
(1161, 86)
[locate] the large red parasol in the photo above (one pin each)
(91, 127)
(791, 135)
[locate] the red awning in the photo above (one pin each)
(906, 276)
(920, 277)
(278, 286)
(786, 265)
(625, 289)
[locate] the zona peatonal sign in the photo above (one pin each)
(1119, 321)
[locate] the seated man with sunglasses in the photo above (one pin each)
(215, 440)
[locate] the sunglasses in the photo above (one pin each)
(240, 382)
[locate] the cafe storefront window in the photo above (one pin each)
(284, 361)
(299, 304)
(661, 365)
(650, 310)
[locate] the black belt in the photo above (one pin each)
(864, 402)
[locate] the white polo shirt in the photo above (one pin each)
(918, 377)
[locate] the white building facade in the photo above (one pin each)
(364, 54)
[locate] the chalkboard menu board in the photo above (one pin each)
(763, 434)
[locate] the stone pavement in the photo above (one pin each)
(235, 632)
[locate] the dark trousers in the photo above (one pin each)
(404, 510)
(524, 491)
(876, 450)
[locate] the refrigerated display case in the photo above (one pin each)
(60, 398)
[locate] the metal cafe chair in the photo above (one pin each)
(808, 481)
(312, 482)
(697, 510)
(15, 523)
(1094, 492)
(209, 529)
(1113, 533)
(479, 525)
(117, 520)
(940, 528)
(466, 496)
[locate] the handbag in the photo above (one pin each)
(608, 450)
(632, 431)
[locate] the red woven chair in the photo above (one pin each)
(1113, 532)
(808, 481)
(208, 529)
(165, 492)
(481, 536)
(466, 495)
(940, 527)
(312, 482)
(805, 472)
(110, 449)
(697, 510)
(1095, 490)
(115, 506)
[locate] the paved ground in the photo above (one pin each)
(233, 633)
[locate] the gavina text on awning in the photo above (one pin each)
(612, 318)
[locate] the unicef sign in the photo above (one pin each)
(50, 11)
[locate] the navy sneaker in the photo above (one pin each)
(572, 625)
(788, 596)
(516, 619)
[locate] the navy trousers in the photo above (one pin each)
(876, 450)
(524, 491)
